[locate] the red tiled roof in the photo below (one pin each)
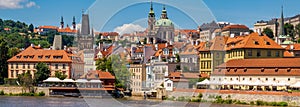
(37, 54)
(109, 33)
(105, 75)
(67, 30)
(296, 47)
(253, 40)
(263, 62)
(48, 27)
(235, 27)
(175, 74)
(288, 54)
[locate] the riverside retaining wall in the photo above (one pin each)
(291, 100)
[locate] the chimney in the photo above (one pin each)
(259, 32)
(39, 45)
(156, 47)
(65, 47)
(167, 44)
(32, 45)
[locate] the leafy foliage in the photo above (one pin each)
(3, 58)
(42, 72)
(60, 75)
(268, 32)
(26, 81)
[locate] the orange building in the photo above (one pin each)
(57, 60)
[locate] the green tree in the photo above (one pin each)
(3, 58)
(104, 64)
(289, 30)
(60, 75)
(31, 28)
(13, 51)
(67, 40)
(42, 73)
(26, 81)
(268, 32)
(121, 72)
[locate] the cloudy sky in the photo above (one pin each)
(113, 15)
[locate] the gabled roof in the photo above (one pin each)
(98, 74)
(253, 40)
(189, 50)
(296, 47)
(37, 54)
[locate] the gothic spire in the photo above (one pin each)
(282, 23)
(74, 23)
(62, 22)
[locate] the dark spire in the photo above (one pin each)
(62, 22)
(151, 13)
(74, 23)
(282, 23)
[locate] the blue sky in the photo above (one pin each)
(48, 12)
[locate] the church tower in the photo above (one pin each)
(151, 18)
(62, 22)
(74, 23)
(281, 32)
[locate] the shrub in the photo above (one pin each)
(2, 92)
(41, 93)
(282, 104)
(171, 98)
(200, 95)
(251, 103)
(195, 100)
(259, 103)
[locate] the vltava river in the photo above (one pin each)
(20, 101)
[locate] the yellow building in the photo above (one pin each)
(138, 72)
(222, 49)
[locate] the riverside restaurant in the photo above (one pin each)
(75, 88)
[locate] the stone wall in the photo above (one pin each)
(13, 90)
(291, 100)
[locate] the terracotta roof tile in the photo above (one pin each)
(67, 30)
(37, 54)
(235, 27)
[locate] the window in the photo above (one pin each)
(277, 54)
(17, 72)
(258, 53)
(243, 78)
(274, 79)
(23, 66)
(17, 65)
(230, 79)
(64, 66)
(289, 79)
(11, 73)
(28, 66)
(256, 43)
(11, 66)
(56, 66)
(217, 55)
(40, 57)
(269, 53)
(249, 52)
(268, 43)
(169, 84)
(266, 79)
(250, 79)
(237, 78)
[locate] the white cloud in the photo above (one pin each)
(128, 28)
(16, 4)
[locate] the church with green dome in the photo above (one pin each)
(161, 30)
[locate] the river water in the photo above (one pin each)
(21, 101)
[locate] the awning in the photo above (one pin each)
(256, 83)
(204, 82)
(81, 80)
(283, 83)
(297, 84)
(68, 80)
(95, 81)
(52, 79)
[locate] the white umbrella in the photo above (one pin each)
(81, 80)
(95, 81)
(297, 84)
(204, 82)
(282, 83)
(52, 79)
(68, 80)
(256, 83)
(269, 83)
(243, 83)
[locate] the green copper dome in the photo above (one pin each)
(164, 22)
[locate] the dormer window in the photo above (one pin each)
(18, 57)
(47, 57)
(268, 43)
(166, 51)
(289, 70)
(25, 57)
(40, 57)
(256, 43)
(31, 57)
